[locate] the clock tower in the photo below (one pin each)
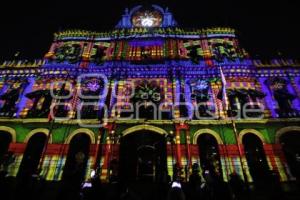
(147, 17)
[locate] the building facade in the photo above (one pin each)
(146, 96)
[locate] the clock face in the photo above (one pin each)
(147, 19)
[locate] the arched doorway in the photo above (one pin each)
(76, 162)
(5, 140)
(143, 157)
(32, 155)
(256, 158)
(209, 155)
(290, 142)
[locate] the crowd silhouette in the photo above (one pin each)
(205, 186)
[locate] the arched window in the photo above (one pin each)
(291, 147)
(209, 155)
(256, 157)
(76, 163)
(32, 155)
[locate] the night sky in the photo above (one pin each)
(264, 29)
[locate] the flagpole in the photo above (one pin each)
(227, 162)
(226, 107)
(52, 122)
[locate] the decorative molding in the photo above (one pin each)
(38, 130)
(207, 131)
(285, 130)
(253, 131)
(191, 122)
(90, 133)
(144, 127)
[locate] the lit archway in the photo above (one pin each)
(5, 140)
(285, 130)
(289, 138)
(32, 156)
(207, 131)
(38, 130)
(142, 128)
(81, 130)
(209, 155)
(255, 156)
(11, 131)
(252, 131)
(77, 159)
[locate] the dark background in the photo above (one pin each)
(266, 29)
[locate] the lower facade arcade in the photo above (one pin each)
(149, 151)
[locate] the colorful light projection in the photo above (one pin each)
(39, 98)
(10, 97)
(145, 92)
(210, 50)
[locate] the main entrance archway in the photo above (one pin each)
(290, 142)
(143, 156)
